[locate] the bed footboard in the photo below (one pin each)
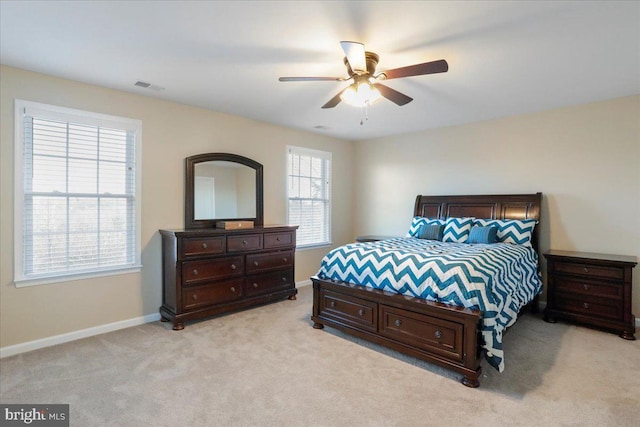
(441, 334)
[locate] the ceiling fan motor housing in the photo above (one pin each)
(371, 60)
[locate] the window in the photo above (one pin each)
(77, 194)
(309, 195)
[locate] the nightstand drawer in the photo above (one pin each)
(589, 270)
(609, 310)
(585, 287)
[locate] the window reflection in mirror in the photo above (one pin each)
(224, 190)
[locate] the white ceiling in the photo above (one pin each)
(505, 58)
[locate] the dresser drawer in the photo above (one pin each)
(422, 331)
(348, 310)
(220, 292)
(206, 270)
(279, 240)
(589, 270)
(269, 282)
(204, 246)
(267, 262)
(245, 242)
(585, 287)
(602, 308)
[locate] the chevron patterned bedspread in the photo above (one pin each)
(498, 278)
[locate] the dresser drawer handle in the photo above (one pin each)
(233, 266)
(204, 246)
(255, 285)
(332, 304)
(361, 312)
(277, 239)
(586, 287)
(256, 263)
(284, 279)
(284, 259)
(586, 270)
(195, 297)
(233, 289)
(398, 322)
(438, 334)
(585, 305)
(244, 242)
(195, 272)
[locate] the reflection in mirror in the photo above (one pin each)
(224, 190)
(222, 187)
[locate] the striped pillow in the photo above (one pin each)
(418, 222)
(457, 229)
(483, 234)
(431, 232)
(516, 231)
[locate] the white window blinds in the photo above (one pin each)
(309, 195)
(78, 189)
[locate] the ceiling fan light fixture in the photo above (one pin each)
(360, 94)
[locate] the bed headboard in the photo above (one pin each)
(498, 206)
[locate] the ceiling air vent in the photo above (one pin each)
(148, 86)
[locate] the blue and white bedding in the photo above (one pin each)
(498, 278)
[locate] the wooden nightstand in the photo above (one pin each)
(593, 289)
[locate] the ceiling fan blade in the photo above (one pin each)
(354, 52)
(335, 100)
(311, 79)
(433, 67)
(393, 95)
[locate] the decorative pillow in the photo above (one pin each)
(483, 234)
(418, 222)
(457, 229)
(516, 231)
(431, 232)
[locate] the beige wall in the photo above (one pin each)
(585, 160)
(171, 132)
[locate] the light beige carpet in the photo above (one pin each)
(268, 367)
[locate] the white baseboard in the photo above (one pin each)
(75, 335)
(303, 283)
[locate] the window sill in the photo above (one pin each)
(314, 246)
(21, 283)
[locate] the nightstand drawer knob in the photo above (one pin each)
(332, 304)
(233, 289)
(398, 322)
(361, 312)
(586, 270)
(233, 266)
(195, 297)
(255, 285)
(195, 272)
(585, 305)
(586, 287)
(204, 246)
(438, 334)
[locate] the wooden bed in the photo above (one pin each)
(446, 335)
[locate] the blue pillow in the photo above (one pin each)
(483, 234)
(516, 231)
(457, 230)
(431, 232)
(418, 222)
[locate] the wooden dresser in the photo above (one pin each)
(211, 271)
(593, 289)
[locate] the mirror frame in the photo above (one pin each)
(189, 206)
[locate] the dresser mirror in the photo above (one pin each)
(222, 187)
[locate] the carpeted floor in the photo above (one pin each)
(268, 367)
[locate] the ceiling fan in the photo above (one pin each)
(366, 87)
